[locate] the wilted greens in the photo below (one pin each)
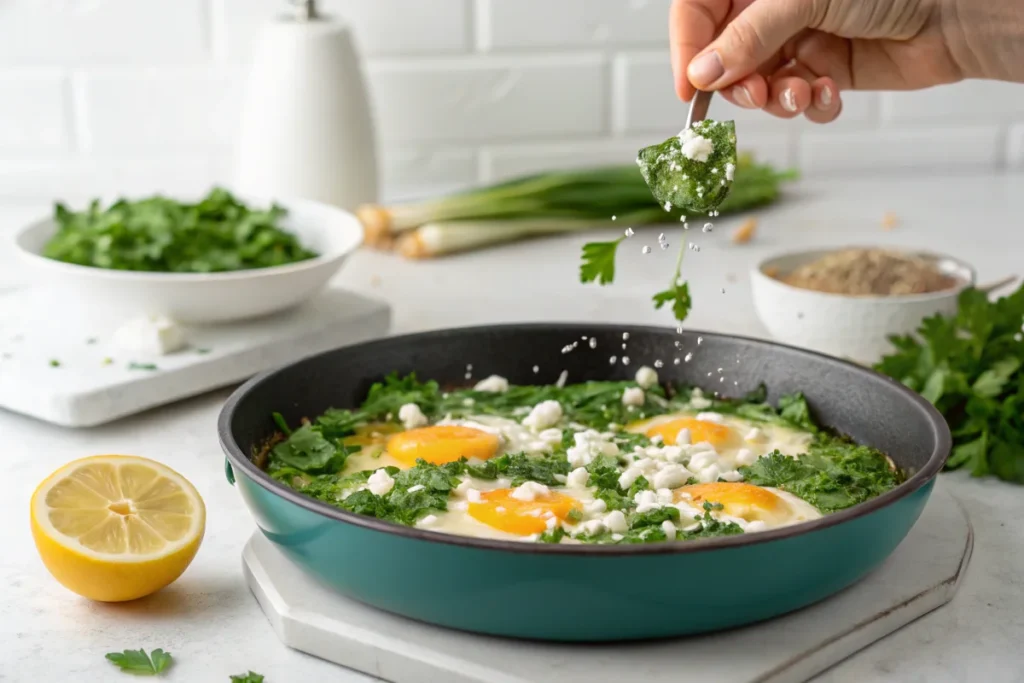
(694, 170)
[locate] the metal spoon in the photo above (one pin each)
(698, 107)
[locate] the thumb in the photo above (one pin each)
(749, 40)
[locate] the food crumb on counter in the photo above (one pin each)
(745, 232)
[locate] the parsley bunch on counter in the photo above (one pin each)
(969, 367)
(216, 234)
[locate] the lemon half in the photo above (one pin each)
(116, 527)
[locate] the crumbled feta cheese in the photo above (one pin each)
(578, 478)
(731, 475)
(646, 377)
(459, 505)
(709, 474)
(669, 528)
(533, 513)
(593, 526)
(730, 172)
(745, 457)
(756, 525)
(473, 496)
(560, 478)
(589, 445)
(633, 396)
(646, 501)
(551, 437)
(627, 478)
(665, 496)
(495, 384)
(615, 521)
(463, 488)
(697, 399)
(711, 417)
(695, 147)
(551, 523)
(684, 437)
(427, 521)
(380, 482)
(151, 335)
(595, 506)
(417, 487)
(544, 415)
(755, 435)
(670, 477)
(529, 491)
(702, 459)
(411, 416)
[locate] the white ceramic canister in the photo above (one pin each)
(306, 129)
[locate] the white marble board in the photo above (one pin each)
(86, 390)
(922, 574)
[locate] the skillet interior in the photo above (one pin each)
(870, 408)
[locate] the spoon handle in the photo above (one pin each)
(698, 107)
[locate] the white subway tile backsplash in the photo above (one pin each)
(77, 181)
(98, 32)
(645, 101)
(128, 110)
(483, 99)
(415, 171)
(34, 112)
(1015, 147)
(524, 24)
(967, 102)
(921, 149)
(381, 27)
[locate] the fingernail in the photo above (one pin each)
(706, 69)
(742, 97)
(826, 97)
(788, 100)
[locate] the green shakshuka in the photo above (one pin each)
(597, 462)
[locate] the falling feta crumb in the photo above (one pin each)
(625, 336)
(562, 379)
(668, 206)
(536, 369)
(614, 217)
(646, 377)
(593, 342)
(380, 482)
(411, 416)
(494, 384)
(625, 360)
(611, 360)
(629, 232)
(545, 414)
(708, 227)
(646, 249)
(633, 396)
(689, 357)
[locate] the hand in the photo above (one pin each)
(792, 57)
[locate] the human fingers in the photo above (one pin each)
(825, 101)
(788, 96)
(752, 38)
(750, 93)
(692, 24)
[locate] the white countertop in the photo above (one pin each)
(214, 627)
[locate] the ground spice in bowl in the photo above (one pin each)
(870, 272)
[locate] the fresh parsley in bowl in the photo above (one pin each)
(217, 259)
(218, 233)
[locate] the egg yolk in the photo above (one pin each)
(700, 430)
(746, 501)
(521, 517)
(439, 444)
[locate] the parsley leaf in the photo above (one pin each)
(250, 677)
(139, 663)
(969, 366)
(598, 262)
(307, 449)
(679, 296)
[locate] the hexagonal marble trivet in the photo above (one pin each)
(922, 574)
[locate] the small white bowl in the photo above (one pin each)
(204, 298)
(853, 327)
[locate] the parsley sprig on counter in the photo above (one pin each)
(969, 367)
(311, 457)
(218, 233)
(140, 663)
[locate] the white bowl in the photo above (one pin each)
(202, 298)
(853, 327)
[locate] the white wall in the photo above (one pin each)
(101, 96)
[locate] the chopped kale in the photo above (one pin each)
(694, 170)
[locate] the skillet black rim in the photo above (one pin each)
(238, 459)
